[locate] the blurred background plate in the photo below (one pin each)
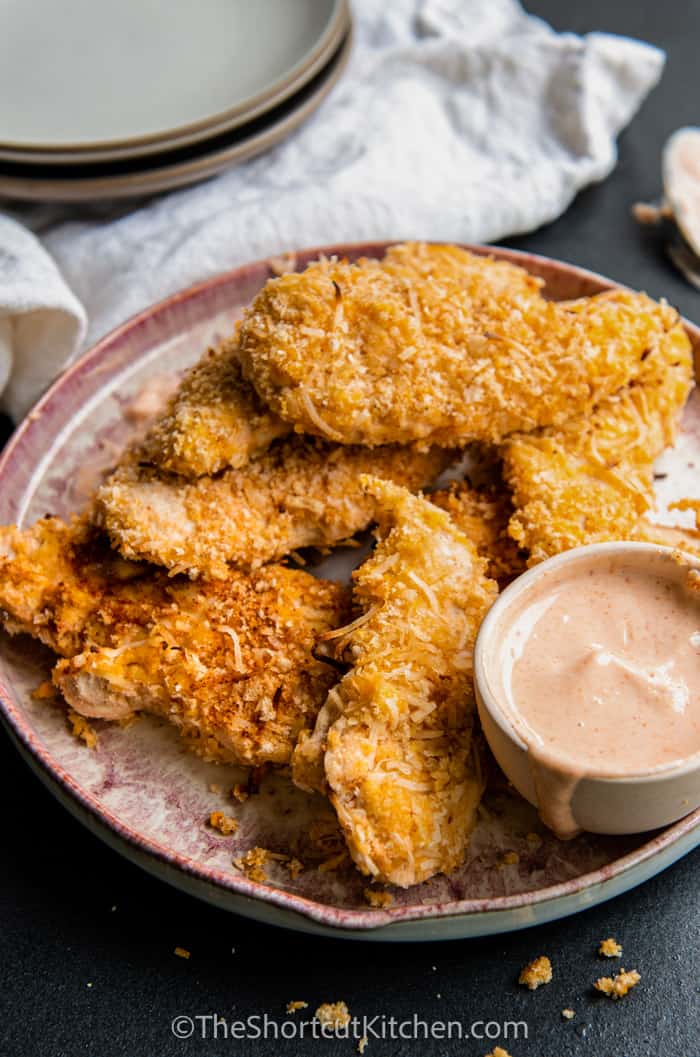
(128, 76)
(93, 181)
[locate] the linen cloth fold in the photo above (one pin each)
(456, 120)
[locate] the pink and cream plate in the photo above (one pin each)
(149, 799)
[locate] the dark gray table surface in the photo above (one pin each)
(86, 939)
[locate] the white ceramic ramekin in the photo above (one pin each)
(630, 804)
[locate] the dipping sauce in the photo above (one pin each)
(600, 668)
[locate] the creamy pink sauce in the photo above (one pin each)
(601, 676)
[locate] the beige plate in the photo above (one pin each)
(168, 174)
(145, 797)
(84, 76)
(139, 147)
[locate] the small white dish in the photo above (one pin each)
(600, 803)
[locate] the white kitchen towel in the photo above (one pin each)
(459, 120)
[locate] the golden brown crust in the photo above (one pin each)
(302, 492)
(591, 480)
(396, 733)
(215, 419)
(230, 662)
(483, 514)
(436, 345)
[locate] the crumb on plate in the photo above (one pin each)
(618, 986)
(511, 858)
(223, 823)
(536, 972)
(45, 691)
(239, 793)
(610, 948)
(334, 863)
(253, 864)
(378, 899)
(295, 867)
(333, 1015)
(214, 787)
(80, 728)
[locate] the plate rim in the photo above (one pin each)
(591, 887)
(340, 12)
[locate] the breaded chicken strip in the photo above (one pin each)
(302, 492)
(230, 662)
(592, 479)
(436, 345)
(483, 515)
(396, 735)
(215, 419)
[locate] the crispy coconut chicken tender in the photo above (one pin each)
(396, 735)
(302, 492)
(436, 345)
(215, 419)
(591, 480)
(229, 662)
(483, 515)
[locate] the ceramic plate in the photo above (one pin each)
(166, 171)
(176, 139)
(149, 799)
(80, 75)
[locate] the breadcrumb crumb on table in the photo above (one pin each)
(181, 952)
(618, 986)
(536, 973)
(568, 1014)
(223, 823)
(296, 1005)
(610, 948)
(253, 864)
(498, 1051)
(81, 729)
(362, 1044)
(333, 1015)
(380, 900)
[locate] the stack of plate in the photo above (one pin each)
(129, 97)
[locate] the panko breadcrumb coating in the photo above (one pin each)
(301, 492)
(483, 514)
(400, 761)
(215, 419)
(591, 480)
(437, 345)
(229, 662)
